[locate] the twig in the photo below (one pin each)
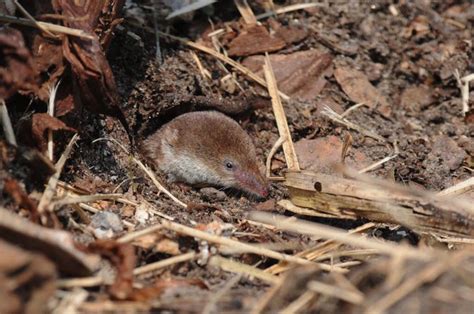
(99, 280)
(377, 164)
(280, 117)
(336, 292)
(352, 108)
(244, 247)
(51, 27)
(428, 274)
(239, 268)
(459, 188)
(147, 170)
(245, 11)
(463, 84)
(268, 163)
(331, 114)
(164, 263)
(297, 305)
(45, 202)
(85, 199)
(193, 6)
(139, 233)
(215, 297)
(320, 230)
(6, 123)
(224, 59)
(290, 8)
(32, 19)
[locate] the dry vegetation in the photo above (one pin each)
(362, 112)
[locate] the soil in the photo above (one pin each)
(409, 54)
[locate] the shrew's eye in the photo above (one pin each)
(229, 165)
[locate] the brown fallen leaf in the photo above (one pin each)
(300, 74)
(356, 85)
(253, 40)
(17, 70)
(40, 123)
(91, 71)
(321, 154)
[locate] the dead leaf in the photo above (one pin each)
(300, 74)
(321, 154)
(40, 123)
(356, 85)
(91, 70)
(253, 40)
(17, 70)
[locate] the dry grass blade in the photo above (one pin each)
(224, 59)
(45, 202)
(320, 230)
(47, 26)
(52, 97)
(297, 305)
(429, 274)
(337, 292)
(164, 263)
(85, 199)
(239, 268)
(32, 19)
(377, 164)
(243, 247)
(245, 11)
(139, 233)
(334, 116)
(280, 117)
(147, 170)
(211, 304)
(314, 252)
(290, 8)
(463, 84)
(268, 163)
(459, 188)
(6, 123)
(193, 6)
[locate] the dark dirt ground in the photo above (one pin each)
(410, 60)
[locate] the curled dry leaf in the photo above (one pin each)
(17, 70)
(40, 123)
(357, 86)
(90, 68)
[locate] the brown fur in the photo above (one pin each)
(201, 143)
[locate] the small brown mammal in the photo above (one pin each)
(207, 148)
